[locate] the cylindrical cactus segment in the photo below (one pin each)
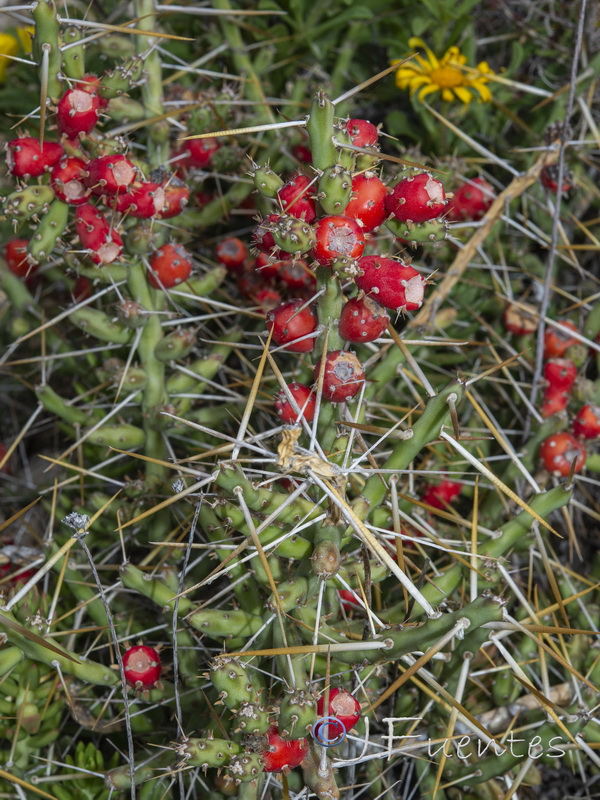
(335, 187)
(208, 752)
(320, 131)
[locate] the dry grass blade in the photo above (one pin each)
(33, 637)
(18, 782)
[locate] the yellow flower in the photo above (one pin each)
(9, 46)
(447, 75)
(25, 36)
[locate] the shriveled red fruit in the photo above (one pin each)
(560, 373)
(97, 235)
(295, 275)
(549, 179)
(15, 255)
(586, 424)
(142, 666)
(110, 175)
(362, 320)
(82, 289)
(362, 132)
(68, 181)
(304, 397)
(282, 755)
(143, 200)
(267, 267)
(337, 237)
(367, 202)
(77, 112)
(302, 153)
(416, 199)
(555, 401)
(392, 283)
(470, 201)
(557, 341)
(177, 196)
(441, 494)
(25, 157)
(170, 265)
(295, 199)
(559, 451)
(199, 152)
(232, 253)
(520, 319)
(343, 376)
(263, 238)
(342, 705)
(289, 324)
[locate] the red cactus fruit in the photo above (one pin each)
(302, 153)
(555, 401)
(520, 319)
(170, 265)
(283, 755)
(392, 283)
(82, 289)
(586, 424)
(96, 235)
(443, 493)
(416, 199)
(559, 451)
(15, 255)
(142, 666)
(110, 175)
(144, 200)
(289, 324)
(296, 275)
(77, 112)
(348, 600)
(68, 181)
(92, 84)
(200, 152)
(177, 196)
(267, 267)
(557, 341)
(232, 253)
(362, 132)
(343, 376)
(367, 202)
(25, 157)
(337, 237)
(304, 397)
(362, 320)
(263, 238)
(342, 705)
(267, 299)
(560, 373)
(295, 199)
(471, 200)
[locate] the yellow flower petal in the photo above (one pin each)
(428, 90)
(447, 95)
(485, 95)
(8, 47)
(25, 36)
(464, 95)
(415, 42)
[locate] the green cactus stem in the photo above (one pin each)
(46, 40)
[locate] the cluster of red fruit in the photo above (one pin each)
(104, 189)
(559, 451)
(336, 242)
